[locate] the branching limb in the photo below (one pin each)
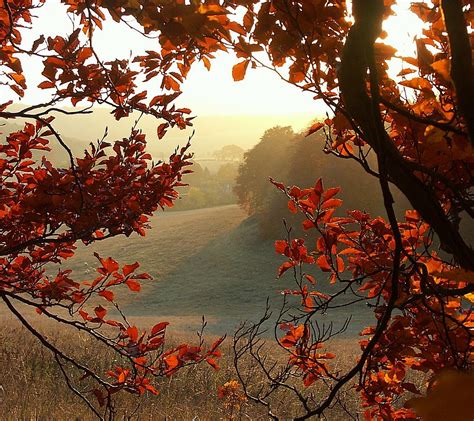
(462, 71)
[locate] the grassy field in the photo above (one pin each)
(206, 262)
(32, 386)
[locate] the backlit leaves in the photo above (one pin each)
(239, 70)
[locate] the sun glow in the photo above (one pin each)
(214, 92)
(402, 30)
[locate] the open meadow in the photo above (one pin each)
(207, 262)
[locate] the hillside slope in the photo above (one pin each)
(204, 262)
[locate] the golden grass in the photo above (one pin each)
(32, 386)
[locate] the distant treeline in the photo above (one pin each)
(207, 189)
(294, 159)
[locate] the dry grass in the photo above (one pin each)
(32, 386)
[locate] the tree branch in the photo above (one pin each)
(352, 77)
(462, 72)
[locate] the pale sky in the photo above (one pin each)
(205, 92)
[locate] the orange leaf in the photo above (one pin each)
(417, 83)
(442, 67)
(121, 378)
(151, 389)
(172, 361)
(314, 128)
(239, 70)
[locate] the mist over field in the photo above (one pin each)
(208, 255)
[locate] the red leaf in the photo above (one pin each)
(108, 295)
(109, 265)
(132, 333)
(278, 185)
(128, 269)
(318, 187)
(308, 303)
(100, 312)
(292, 207)
(158, 328)
(323, 263)
(307, 224)
(331, 203)
(214, 346)
(284, 267)
(212, 362)
(329, 193)
(311, 279)
(133, 285)
(161, 130)
(281, 246)
(84, 315)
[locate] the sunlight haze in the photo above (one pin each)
(208, 92)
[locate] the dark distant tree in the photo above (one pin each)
(303, 159)
(198, 176)
(263, 161)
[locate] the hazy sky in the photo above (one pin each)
(205, 92)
